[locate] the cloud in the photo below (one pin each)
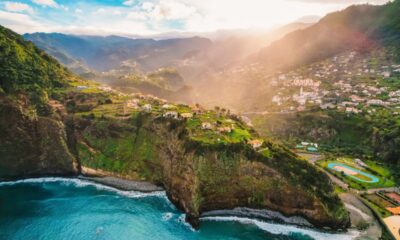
(21, 23)
(17, 7)
(163, 10)
(100, 10)
(174, 10)
(46, 3)
(156, 16)
(129, 2)
(347, 2)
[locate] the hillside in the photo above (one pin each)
(28, 70)
(205, 159)
(32, 142)
(192, 56)
(357, 27)
(107, 53)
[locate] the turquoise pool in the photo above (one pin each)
(373, 178)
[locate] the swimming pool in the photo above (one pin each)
(337, 166)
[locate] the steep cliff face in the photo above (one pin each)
(203, 177)
(32, 139)
(31, 145)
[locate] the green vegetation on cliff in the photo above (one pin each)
(26, 69)
(205, 160)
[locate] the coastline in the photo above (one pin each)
(246, 215)
(262, 214)
(124, 185)
(117, 181)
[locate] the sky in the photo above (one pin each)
(148, 17)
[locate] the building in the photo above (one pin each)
(352, 110)
(147, 108)
(81, 87)
(327, 106)
(167, 106)
(224, 129)
(256, 143)
(171, 114)
(394, 210)
(360, 163)
(133, 103)
(376, 102)
(206, 126)
(186, 115)
(355, 98)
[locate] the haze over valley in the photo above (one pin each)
(183, 119)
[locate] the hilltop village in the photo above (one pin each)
(209, 126)
(352, 82)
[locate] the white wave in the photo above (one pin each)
(84, 183)
(182, 219)
(167, 216)
(282, 229)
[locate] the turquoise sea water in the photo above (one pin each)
(59, 208)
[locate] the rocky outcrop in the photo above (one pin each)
(31, 145)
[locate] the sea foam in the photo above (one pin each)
(283, 229)
(84, 183)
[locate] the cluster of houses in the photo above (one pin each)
(148, 103)
(342, 88)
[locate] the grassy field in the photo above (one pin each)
(379, 171)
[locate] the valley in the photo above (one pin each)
(296, 125)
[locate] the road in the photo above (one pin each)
(360, 214)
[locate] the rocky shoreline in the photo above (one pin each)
(124, 185)
(263, 214)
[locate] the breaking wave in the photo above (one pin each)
(288, 230)
(84, 183)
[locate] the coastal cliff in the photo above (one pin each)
(201, 176)
(53, 123)
(32, 145)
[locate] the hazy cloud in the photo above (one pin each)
(156, 16)
(47, 3)
(129, 2)
(17, 7)
(21, 23)
(347, 2)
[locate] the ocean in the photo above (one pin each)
(63, 208)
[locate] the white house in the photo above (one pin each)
(206, 126)
(187, 115)
(147, 107)
(171, 114)
(256, 143)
